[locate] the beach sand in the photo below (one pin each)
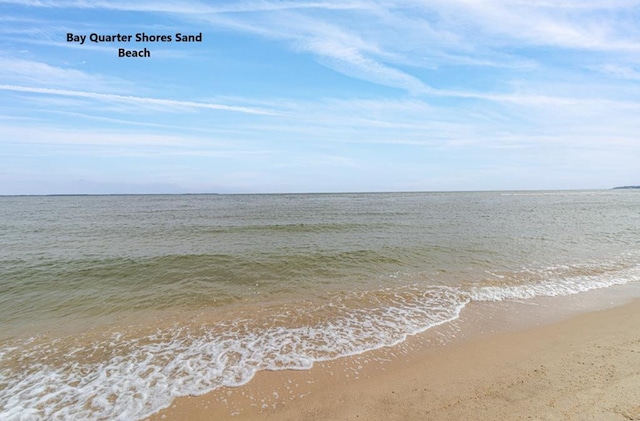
(488, 365)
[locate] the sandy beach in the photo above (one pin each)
(377, 306)
(586, 367)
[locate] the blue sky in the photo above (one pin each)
(320, 96)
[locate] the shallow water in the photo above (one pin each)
(113, 305)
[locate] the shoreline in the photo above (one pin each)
(574, 358)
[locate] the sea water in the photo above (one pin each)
(112, 306)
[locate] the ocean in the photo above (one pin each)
(112, 306)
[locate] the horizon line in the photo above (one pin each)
(310, 193)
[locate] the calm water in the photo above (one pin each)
(111, 306)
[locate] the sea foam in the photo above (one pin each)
(135, 377)
(128, 376)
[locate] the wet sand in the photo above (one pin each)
(486, 366)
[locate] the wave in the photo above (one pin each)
(124, 375)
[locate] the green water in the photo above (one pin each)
(310, 271)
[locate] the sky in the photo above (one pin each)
(319, 96)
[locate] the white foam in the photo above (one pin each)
(555, 285)
(129, 378)
(158, 368)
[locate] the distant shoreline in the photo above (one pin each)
(308, 193)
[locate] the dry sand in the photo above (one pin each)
(586, 367)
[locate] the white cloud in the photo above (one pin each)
(166, 104)
(352, 62)
(620, 71)
(568, 24)
(521, 79)
(389, 42)
(192, 7)
(384, 42)
(51, 135)
(16, 71)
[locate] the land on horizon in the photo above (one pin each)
(309, 193)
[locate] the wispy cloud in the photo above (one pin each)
(51, 135)
(392, 43)
(166, 104)
(350, 61)
(571, 24)
(17, 71)
(44, 140)
(620, 71)
(488, 87)
(192, 7)
(386, 42)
